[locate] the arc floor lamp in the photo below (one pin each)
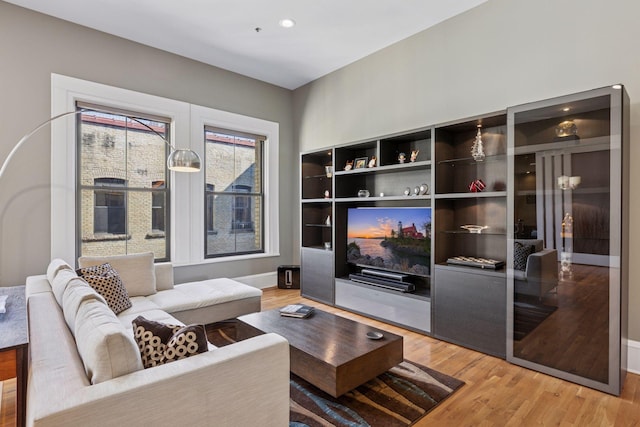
(179, 160)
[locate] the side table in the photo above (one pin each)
(14, 346)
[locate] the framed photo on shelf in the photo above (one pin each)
(361, 162)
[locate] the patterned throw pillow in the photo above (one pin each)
(106, 281)
(160, 343)
(520, 255)
(188, 341)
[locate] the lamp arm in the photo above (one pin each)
(68, 113)
(154, 131)
(27, 136)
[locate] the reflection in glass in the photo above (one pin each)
(561, 241)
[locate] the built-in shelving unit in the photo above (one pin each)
(468, 290)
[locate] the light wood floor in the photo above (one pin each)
(496, 393)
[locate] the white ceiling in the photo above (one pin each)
(329, 33)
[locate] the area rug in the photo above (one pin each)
(399, 397)
(527, 316)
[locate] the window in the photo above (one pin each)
(209, 206)
(158, 202)
(109, 207)
(233, 192)
(242, 220)
(189, 218)
(121, 180)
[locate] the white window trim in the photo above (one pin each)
(203, 116)
(187, 189)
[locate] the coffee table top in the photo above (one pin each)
(335, 340)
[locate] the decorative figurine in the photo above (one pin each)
(414, 155)
(349, 165)
(477, 150)
(326, 194)
(372, 162)
(328, 171)
(401, 157)
(477, 186)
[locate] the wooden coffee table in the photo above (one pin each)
(331, 352)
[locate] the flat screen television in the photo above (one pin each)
(395, 239)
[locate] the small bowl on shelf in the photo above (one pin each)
(475, 229)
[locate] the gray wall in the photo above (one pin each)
(500, 54)
(32, 46)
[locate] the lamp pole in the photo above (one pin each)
(180, 160)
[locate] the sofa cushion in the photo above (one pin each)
(136, 271)
(106, 348)
(59, 283)
(537, 244)
(138, 306)
(189, 296)
(76, 292)
(161, 343)
(106, 281)
(164, 276)
(55, 266)
(521, 253)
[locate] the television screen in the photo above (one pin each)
(394, 239)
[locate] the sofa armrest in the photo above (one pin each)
(543, 265)
(246, 383)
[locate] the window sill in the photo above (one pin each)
(106, 237)
(226, 259)
(155, 235)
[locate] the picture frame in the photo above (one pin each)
(361, 162)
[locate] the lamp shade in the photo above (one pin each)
(182, 160)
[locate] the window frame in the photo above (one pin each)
(235, 192)
(186, 209)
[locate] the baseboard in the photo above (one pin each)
(260, 281)
(633, 361)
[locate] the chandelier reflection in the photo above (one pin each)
(568, 182)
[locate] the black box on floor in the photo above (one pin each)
(289, 277)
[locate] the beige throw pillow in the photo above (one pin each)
(136, 271)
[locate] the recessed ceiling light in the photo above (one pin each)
(566, 109)
(287, 23)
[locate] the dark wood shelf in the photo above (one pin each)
(323, 200)
(386, 168)
(480, 195)
(469, 160)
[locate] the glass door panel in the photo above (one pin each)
(564, 261)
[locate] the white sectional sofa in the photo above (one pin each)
(85, 368)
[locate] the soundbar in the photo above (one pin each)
(382, 283)
(384, 274)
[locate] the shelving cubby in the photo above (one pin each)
(315, 230)
(315, 179)
(455, 204)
